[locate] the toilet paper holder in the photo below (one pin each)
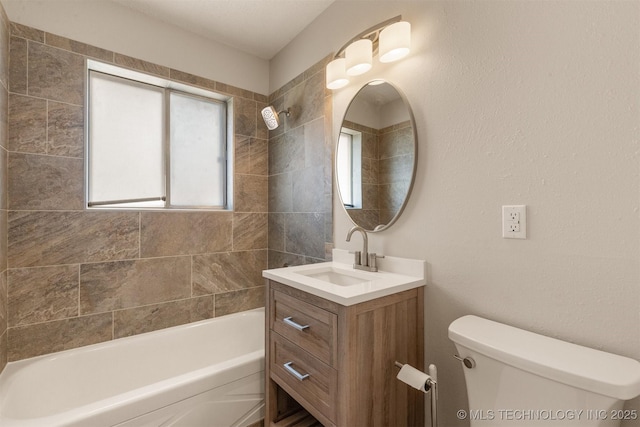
(430, 385)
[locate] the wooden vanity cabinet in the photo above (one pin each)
(348, 353)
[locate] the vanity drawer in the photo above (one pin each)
(314, 381)
(308, 326)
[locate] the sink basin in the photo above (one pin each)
(339, 282)
(334, 275)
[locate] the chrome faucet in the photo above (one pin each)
(364, 260)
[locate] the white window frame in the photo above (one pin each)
(168, 86)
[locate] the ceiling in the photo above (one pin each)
(258, 27)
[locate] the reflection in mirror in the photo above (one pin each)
(375, 156)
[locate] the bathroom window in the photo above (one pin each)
(153, 143)
(349, 168)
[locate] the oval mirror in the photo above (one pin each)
(376, 156)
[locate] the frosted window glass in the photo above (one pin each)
(344, 168)
(126, 123)
(349, 168)
(198, 151)
(153, 143)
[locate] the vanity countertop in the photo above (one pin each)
(339, 282)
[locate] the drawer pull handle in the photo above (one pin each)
(298, 326)
(295, 373)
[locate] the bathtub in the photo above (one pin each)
(208, 373)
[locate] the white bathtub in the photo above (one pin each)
(208, 373)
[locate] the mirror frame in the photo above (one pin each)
(415, 156)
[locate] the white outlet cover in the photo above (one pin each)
(512, 217)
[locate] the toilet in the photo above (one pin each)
(518, 378)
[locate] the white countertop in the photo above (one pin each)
(393, 275)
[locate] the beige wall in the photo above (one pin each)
(530, 103)
(77, 277)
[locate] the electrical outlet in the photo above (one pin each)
(514, 222)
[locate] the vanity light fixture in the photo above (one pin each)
(391, 39)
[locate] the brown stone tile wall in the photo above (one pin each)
(396, 149)
(300, 172)
(4, 106)
(72, 277)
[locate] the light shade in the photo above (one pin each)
(395, 41)
(336, 74)
(359, 56)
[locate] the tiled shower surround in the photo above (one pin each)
(301, 171)
(78, 277)
(73, 277)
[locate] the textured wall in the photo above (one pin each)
(4, 83)
(300, 173)
(77, 277)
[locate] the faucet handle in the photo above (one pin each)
(357, 257)
(373, 261)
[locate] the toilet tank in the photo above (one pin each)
(526, 379)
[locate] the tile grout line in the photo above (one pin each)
(46, 128)
(27, 65)
(79, 267)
